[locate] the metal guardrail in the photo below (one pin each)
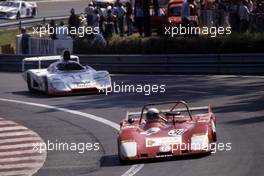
(31, 21)
(161, 64)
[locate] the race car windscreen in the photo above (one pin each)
(167, 107)
(72, 66)
(175, 11)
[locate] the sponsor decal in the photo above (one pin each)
(130, 126)
(165, 148)
(151, 131)
(160, 141)
(82, 85)
(177, 132)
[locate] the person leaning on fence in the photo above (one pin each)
(24, 41)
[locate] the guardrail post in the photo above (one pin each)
(44, 20)
(20, 25)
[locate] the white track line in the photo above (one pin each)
(6, 122)
(19, 139)
(134, 168)
(2, 129)
(21, 159)
(17, 154)
(30, 144)
(11, 166)
(28, 151)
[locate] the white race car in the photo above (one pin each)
(64, 78)
(16, 9)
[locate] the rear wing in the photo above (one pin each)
(138, 114)
(43, 59)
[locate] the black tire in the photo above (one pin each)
(29, 83)
(46, 91)
(34, 12)
(214, 137)
(18, 16)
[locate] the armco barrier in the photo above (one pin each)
(162, 64)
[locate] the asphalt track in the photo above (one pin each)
(237, 101)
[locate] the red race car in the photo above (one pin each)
(172, 131)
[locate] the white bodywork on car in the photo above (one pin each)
(57, 81)
(15, 9)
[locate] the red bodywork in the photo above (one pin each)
(170, 14)
(174, 134)
(174, 12)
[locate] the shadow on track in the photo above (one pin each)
(112, 160)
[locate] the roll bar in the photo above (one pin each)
(167, 102)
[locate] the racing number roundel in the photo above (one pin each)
(176, 132)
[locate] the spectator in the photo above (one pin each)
(146, 18)
(109, 25)
(250, 6)
(101, 19)
(99, 40)
(129, 18)
(61, 31)
(96, 18)
(233, 16)
(24, 41)
(139, 16)
(73, 22)
(120, 18)
(185, 12)
(244, 16)
(82, 20)
(52, 30)
(89, 14)
(114, 10)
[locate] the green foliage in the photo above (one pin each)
(235, 43)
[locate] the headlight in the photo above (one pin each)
(103, 82)
(128, 149)
(199, 142)
(59, 85)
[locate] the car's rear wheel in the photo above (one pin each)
(18, 16)
(214, 137)
(46, 86)
(34, 12)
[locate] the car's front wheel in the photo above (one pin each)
(29, 83)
